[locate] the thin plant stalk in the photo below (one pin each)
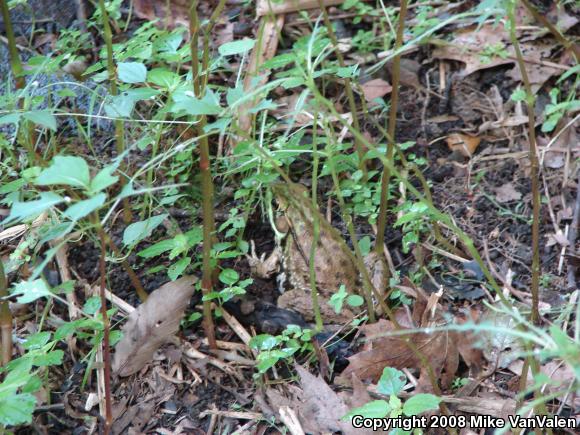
(15, 62)
(106, 332)
(206, 184)
(386, 178)
(536, 201)
(316, 226)
(5, 319)
(26, 135)
(347, 87)
(119, 125)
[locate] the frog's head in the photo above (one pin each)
(287, 194)
(293, 203)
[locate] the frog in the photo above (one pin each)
(334, 263)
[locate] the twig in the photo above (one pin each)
(572, 235)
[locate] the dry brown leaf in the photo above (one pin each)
(463, 143)
(376, 88)
(321, 409)
(439, 348)
(170, 13)
(507, 193)
(151, 324)
(266, 7)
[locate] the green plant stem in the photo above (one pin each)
(316, 226)
(106, 332)
(348, 89)
(15, 62)
(206, 183)
(536, 201)
(119, 125)
(386, 178)
(5, 319)
(553, 30)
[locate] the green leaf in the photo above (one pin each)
(208, 105)
(157, 249)
(263, 342)
(131, 72)
(36, 341)
(365, 245)
(392, 381)
(67, 170)
(420, 403)
(355, 300)
(229, 276)
(372, 409)
(137, 231)
(236, 47)
(177, 269)
(17, 409)
(11, 118)
(337, 299)
(83, 208)
(163, 77)
(23, 210)
(44, 118)
(53, 358)
(30, 291)
(120, 106)
(92, 305)
(104, 179)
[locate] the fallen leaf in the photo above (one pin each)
(439, 348)
(266, 7)
(170, 13)
(151, 324)
(321, 409)
(376, 88)
(463, 143)
(507, 193)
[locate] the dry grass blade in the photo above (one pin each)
(151, 324)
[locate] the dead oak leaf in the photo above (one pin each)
(507, 193)
(170, 13)
(151, 324)
(376, 88)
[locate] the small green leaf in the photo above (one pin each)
(16, 409)
(11, 118)
(92, 305)
(355, 300)
(420, 403)
(30, 291)
(372, 409)
(163, 77)
(131, 72)
(23, 210)
(229, 276)
(44, 118)
(157, 249)
(208, 105)
(49, 359)
(392, 381)
(263, 342)
(337, 299)
(104, 179)
(120, 106)
(236, 47)
(177, 268)
(36, 341)
(83, 208)
(138, 231)
(67, 170)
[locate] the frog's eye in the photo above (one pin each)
(282, 224)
